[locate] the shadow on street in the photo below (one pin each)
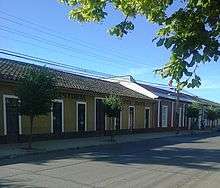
(162, 151)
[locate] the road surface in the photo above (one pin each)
(181, 161)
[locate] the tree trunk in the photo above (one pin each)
(31, 131)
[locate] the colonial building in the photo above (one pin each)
(79, 111)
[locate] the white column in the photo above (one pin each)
(158, 114)
(172, 115)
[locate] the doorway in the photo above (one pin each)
(12, 119)
(147, 118)
(81, 116)
(57, 114)
(100, 115)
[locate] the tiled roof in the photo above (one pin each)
(12, 70)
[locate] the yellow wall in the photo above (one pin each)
(69, 115)
(90, 112)
(125, 116)
(139, 116)
(139, 113)
(43, 124)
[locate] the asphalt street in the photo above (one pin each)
(180, 161)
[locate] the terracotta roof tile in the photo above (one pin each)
(12, 70)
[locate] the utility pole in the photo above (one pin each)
(176, 120)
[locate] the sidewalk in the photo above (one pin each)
(15, 150)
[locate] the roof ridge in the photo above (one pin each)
(50, 68)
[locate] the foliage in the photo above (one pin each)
(191, 32)
(36, 90)
(112, 105)
(193, 110)
(211, 113)
(218, 113)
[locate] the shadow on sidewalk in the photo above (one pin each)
(16, 183)
(160, 151)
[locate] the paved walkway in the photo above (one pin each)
(14, 150)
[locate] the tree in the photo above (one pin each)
(36, 90)
(190, 29)
(192, 112)
(113, 107)
(218, 112)
(211, 114)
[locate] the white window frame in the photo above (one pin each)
(77, 111)
(4, 114)
(95, 112)
(129, 126)
(165, 106)
(147, 108)
(51, 115)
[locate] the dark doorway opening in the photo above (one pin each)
(12, 119)
(81, 115)
(147, 116)
(118, 121)
(57, 118)
(100, 116)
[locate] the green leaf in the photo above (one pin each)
(216, 58)
(168, 43)
(191, 32)
(160, 42)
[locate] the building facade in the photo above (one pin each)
(79, 110)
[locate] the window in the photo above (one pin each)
(164, 116)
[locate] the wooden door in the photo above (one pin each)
(12, 119)
(81, 117)
(100, 115)
(57, 118)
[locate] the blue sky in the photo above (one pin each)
(90, 46)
